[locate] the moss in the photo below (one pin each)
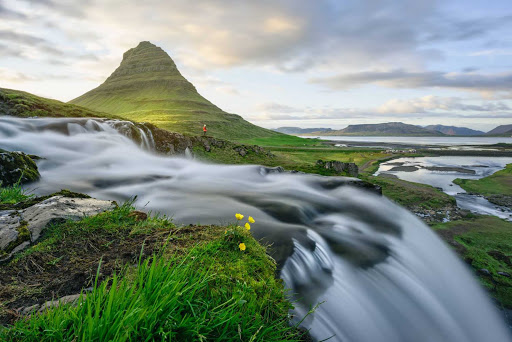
(17, 168)
(23, 235)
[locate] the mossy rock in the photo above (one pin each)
(17, 167)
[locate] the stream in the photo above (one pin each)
(380, 272)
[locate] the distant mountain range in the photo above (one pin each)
(454, 130)
(389, 128)
(398, 129)
(501, 130)
(298, 130)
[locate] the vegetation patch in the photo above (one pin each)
(149, 280)
(499, 183)
(485, 243)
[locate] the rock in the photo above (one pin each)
(504, 274)
(350, 169)
(18, 228)
(58, 207)
(40, 308)
(17, 167)
(484, 271)
(138, 215)
(501, 200)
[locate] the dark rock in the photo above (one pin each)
(17, 167)
(484, 271)
(504, 274)
(350, 169)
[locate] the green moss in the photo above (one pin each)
(484, 242)
(17, 168)
(23, 235)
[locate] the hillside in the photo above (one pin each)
(453, 130)
(298, 130)
(147, 86)
(389, 128)
(23, 104)
(501, 130)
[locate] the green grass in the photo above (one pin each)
(190, 283)
(13, 194)
(412, 195)
(23, 104)
(484, 242)
(284, 140)
(147, 87)
(499, 183)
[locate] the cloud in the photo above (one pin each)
(431, 103)
(7, 75)
(400, 78)
(7, 13)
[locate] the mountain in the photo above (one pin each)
(501, 130)
(298, 130)
(147, 86)
(23, 104)
(453, 130)
(382, 129)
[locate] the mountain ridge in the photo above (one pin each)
(383, 129)
(454, 130)
(147, 86)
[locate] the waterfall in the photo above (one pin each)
(381, 273)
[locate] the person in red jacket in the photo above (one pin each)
(204, 129)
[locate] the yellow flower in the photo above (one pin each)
(247, 226)
(250, 219)
(242, 246)
(239, 216)
(226, 231)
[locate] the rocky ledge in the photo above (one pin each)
(17, 167)
(19, 228)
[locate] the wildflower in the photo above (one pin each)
(247, 226)
(250, 219)
(242, 246)
(239, 216)
(226, 231)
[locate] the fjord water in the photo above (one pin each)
(381, 273)
(411, 140)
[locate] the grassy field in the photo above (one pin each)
(499, 183)
(484, 242)
(151, 281)
(412, 195)
(284, 140)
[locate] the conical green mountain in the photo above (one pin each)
(147, 86)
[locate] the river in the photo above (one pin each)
(380, 272)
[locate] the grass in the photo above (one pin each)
(147, 87)
(284, 140)
(484, 242)
(499, 183)
(412, 195)
(185, 283)
(13, 194)
(23, 104)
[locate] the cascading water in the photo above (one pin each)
(381, 273)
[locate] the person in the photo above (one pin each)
(204, 129)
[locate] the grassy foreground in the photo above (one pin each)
(151, 281)
(484, 242)
(499, 183)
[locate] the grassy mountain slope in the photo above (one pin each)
(147, 86)
(23, 104)
(382, 129)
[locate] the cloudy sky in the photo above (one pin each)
(321, 63)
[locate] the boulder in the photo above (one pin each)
(17, 167)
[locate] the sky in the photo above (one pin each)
(305, 63)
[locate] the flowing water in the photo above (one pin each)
(382, 274)
(442, 172)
